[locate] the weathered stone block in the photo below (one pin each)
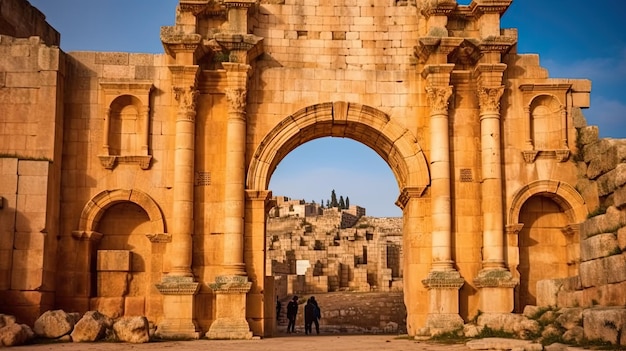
(608, 222)
(114, 260)
(597, 246)
(113, 284)
(547, 291)
(134, 306)
(605, 324)
(593, 273)
(112, 307)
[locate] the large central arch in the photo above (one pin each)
(374, 128)
(362, 123)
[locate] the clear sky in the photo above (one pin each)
(574, 38)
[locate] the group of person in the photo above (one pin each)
(312, 315)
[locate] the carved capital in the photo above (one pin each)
(174, 285)
(530, 155)
(489, 99)
(236, 100)
(86, 235)
(438, 98)
(186, 98)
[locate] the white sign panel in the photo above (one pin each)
(302, 266)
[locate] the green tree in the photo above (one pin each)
(333, 199)
(347, 202)
(322, 203)
(342, 204)
(327, 203)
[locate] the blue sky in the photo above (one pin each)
(574, 38)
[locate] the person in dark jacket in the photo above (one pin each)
(317, 315)
(292, 312)
(309, 316)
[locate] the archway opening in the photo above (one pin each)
(335, 233)
(543, 247)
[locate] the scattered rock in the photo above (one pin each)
(54, 324)
(132, 329)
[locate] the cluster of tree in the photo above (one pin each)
(333, 202)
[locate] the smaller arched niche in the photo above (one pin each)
(546, 122)
(126, 124)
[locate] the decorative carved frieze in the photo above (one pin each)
(159, 237)
(438, 98)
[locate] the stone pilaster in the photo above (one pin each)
(443, 281)
(178, 287)
(438, 94)
(495, 280)
(258, 204)
(232, 287)
(230, 296)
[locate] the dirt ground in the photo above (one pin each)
(291, 343)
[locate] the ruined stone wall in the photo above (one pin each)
(21, 20)
(31, 136)
(602, 275)
(353, 259)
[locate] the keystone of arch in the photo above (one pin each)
(367, 125)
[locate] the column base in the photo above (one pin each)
(178, 316)
(496, 290)
(443, 322)
(230, 305)
(230, 329)
(443, 301)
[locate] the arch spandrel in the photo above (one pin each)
(562, 193)
(362, 123)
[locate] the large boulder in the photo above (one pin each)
(132, 329)
(54, 324)
(13, 334)
(92, 327)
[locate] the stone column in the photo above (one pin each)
(231, 287)
(443, 281)
(494, 279)
(179, 286)
(260, 316)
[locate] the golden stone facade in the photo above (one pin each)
(137, 184)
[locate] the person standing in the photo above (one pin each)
(317, 315)
(309, 316)
(292, 312)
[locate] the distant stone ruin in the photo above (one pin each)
(318, 250)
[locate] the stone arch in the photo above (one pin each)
(97, 206)
(362, 123)
(562, 193)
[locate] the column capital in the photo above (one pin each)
(236, 98)
(489, 99)
(186, 98)
(86, 235)
(439, 98)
